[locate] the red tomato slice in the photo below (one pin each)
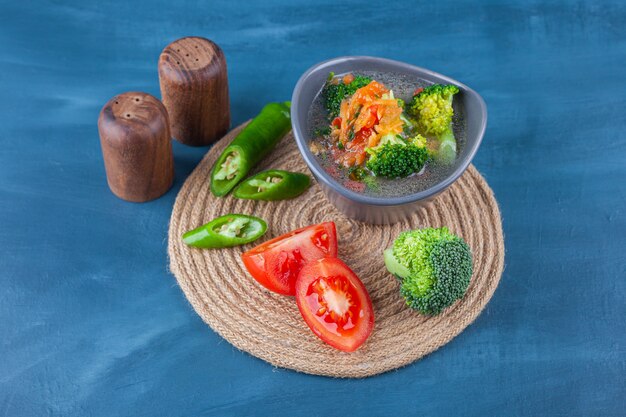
(335, 304)
(276, 263)
(363, 135)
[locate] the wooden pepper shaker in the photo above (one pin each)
(136, 145)
(194, 90)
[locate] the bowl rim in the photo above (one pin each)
(325, 178)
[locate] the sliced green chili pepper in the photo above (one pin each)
(255, 141)
(273, 184)
(226, 231)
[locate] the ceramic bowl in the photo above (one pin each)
(367, 208)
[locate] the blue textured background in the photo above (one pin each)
(92, 323)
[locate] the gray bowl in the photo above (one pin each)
(371, 209)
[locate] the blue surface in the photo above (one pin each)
(92, 323)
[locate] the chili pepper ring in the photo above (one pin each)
(273, 184)
(226, 231)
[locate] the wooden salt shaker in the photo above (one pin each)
(136, 145)
(194, 90)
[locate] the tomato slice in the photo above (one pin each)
(335, 304)
(362, 136)
(276, 263)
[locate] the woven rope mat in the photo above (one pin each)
(269, 325)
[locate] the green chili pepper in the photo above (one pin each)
(226, 231)
(255, 141)
(273, 184)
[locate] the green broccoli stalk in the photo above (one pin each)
(446, 153)
(434, 267)
(432, 107)
(334, 93)
(395, 158)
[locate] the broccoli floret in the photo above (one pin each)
(393, 157)
(432, 107)
(333, 94)
(397, 160)
(418, 140)
(434, 267)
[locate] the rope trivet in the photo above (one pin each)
(269, 326)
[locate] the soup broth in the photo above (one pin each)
(403, 86)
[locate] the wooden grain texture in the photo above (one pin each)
(93, 324)
(194, 89)
(136, 146)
